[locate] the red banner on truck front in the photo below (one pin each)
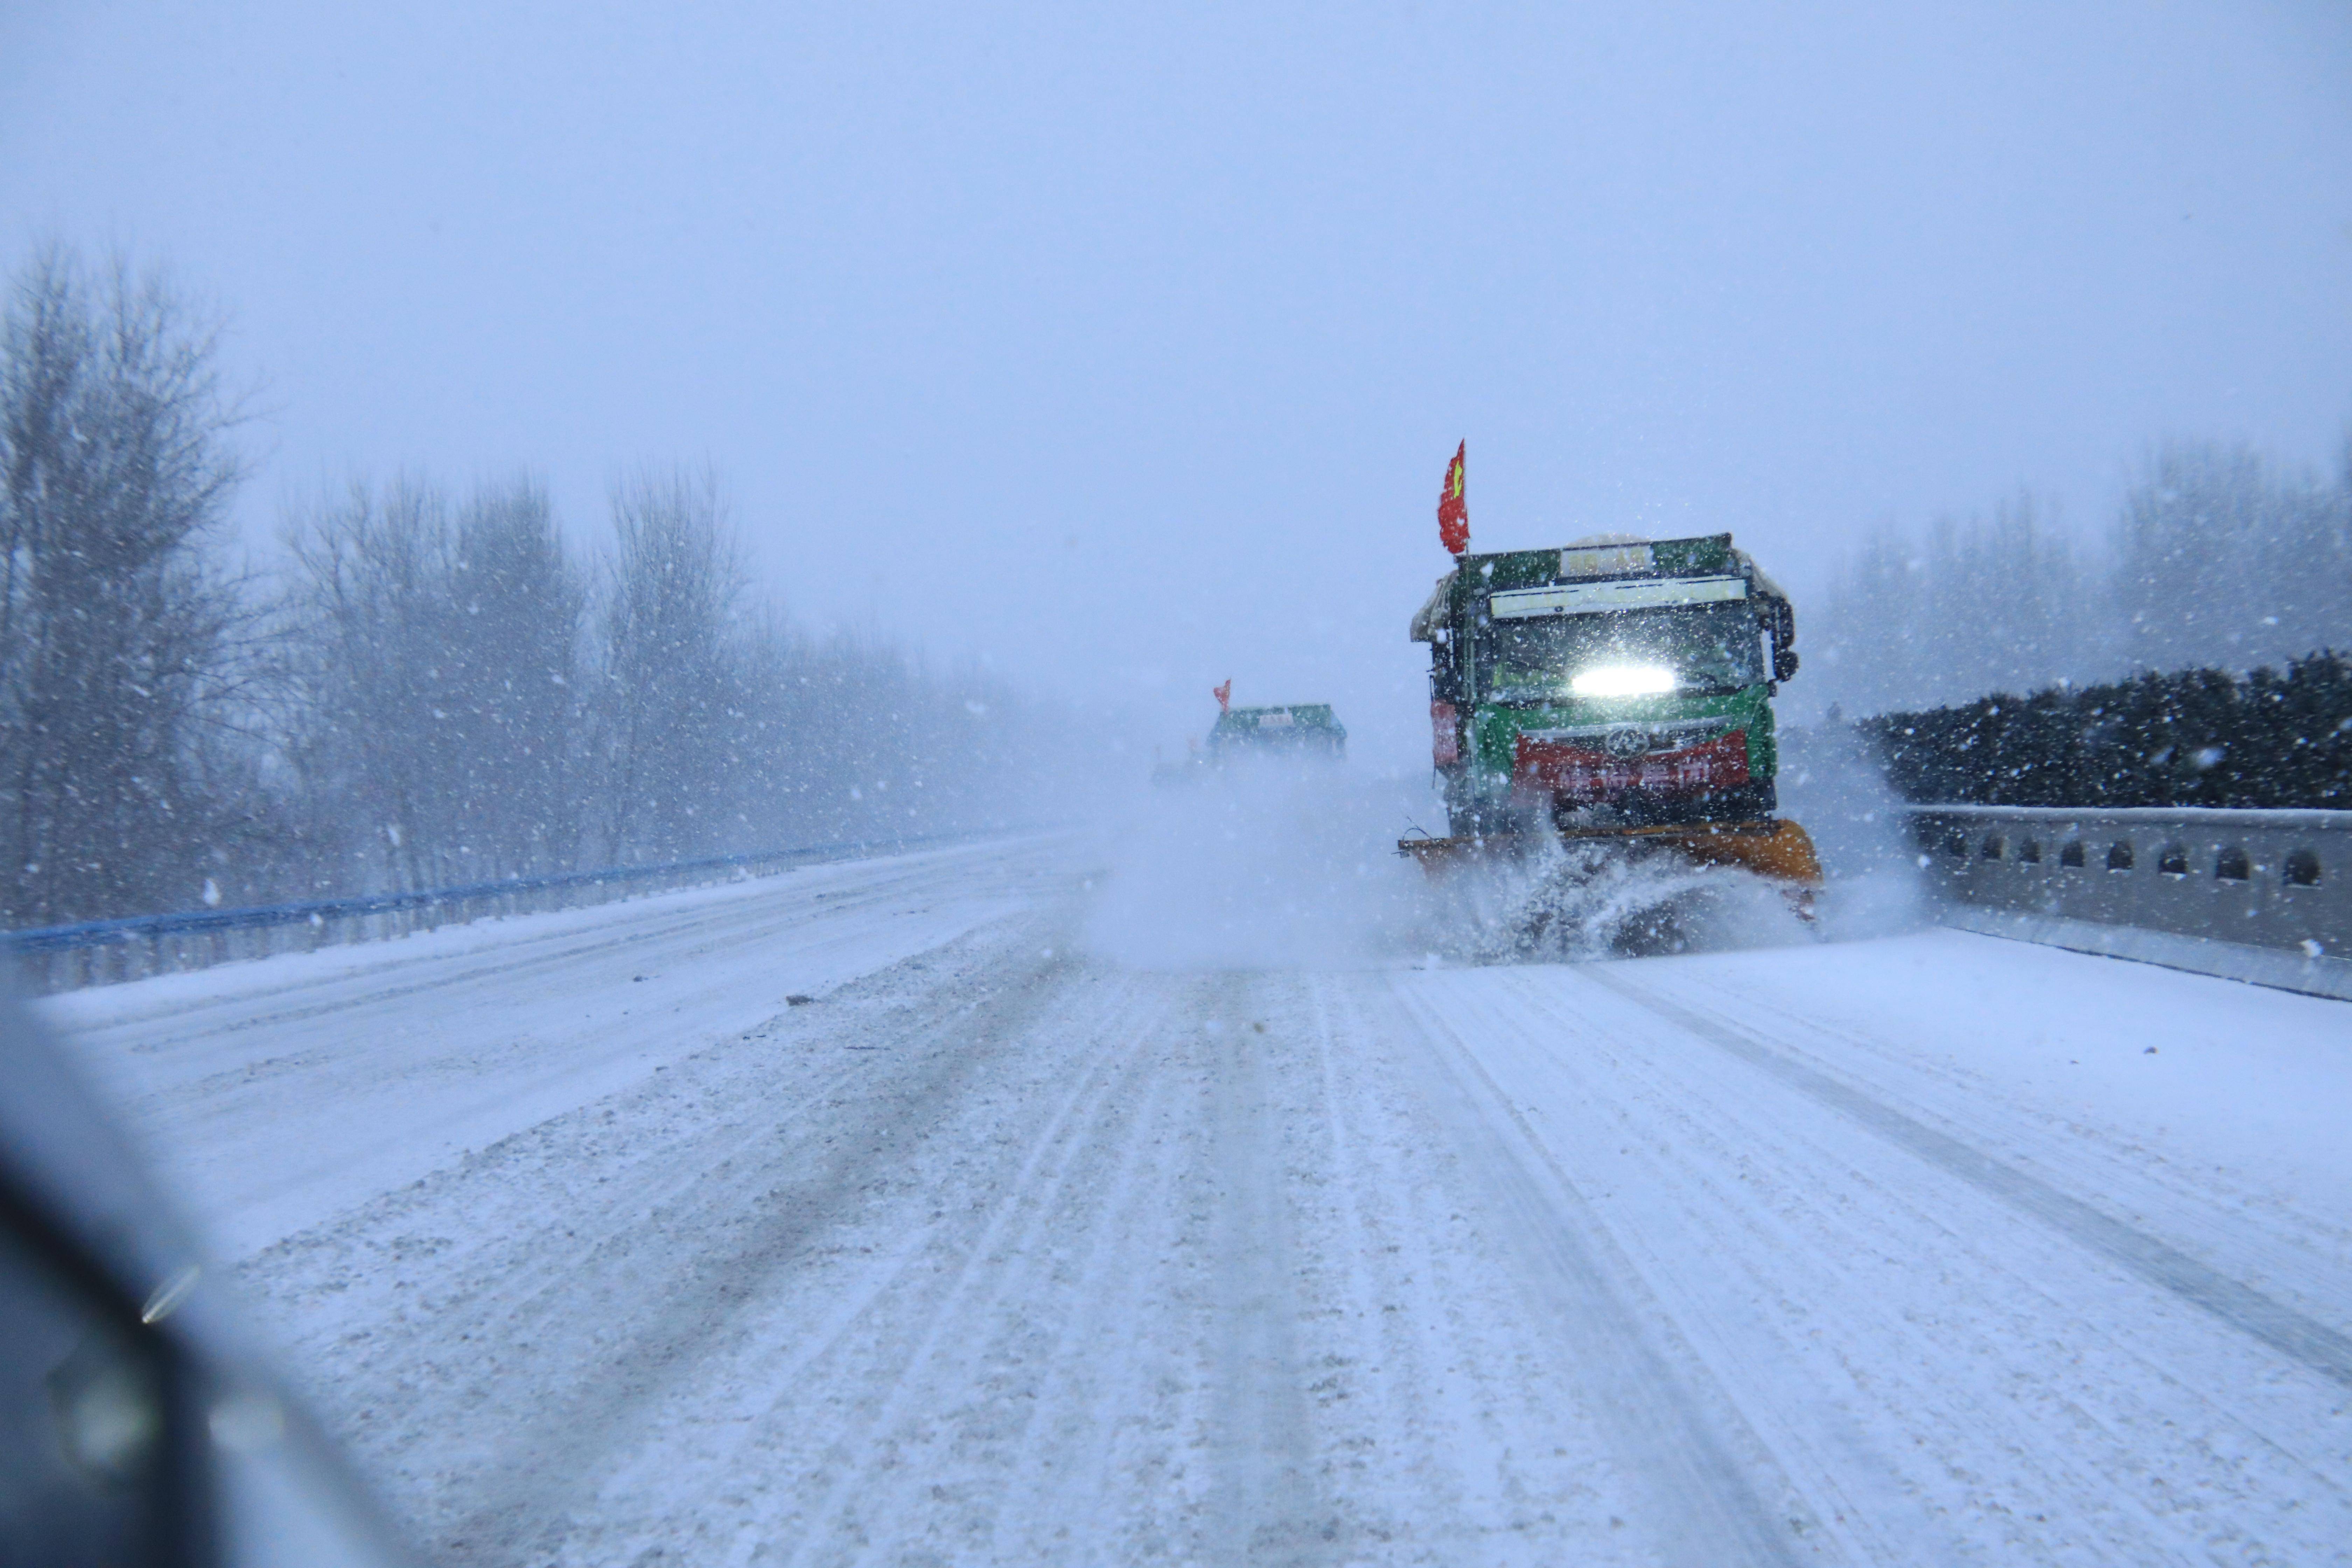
(1581, 777)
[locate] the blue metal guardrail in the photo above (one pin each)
(314, 911)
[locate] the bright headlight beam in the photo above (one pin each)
(1623, 680)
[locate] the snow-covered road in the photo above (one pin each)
(1933, 1248)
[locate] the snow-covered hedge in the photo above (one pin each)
(2191, 737)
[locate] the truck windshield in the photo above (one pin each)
(1709, 648)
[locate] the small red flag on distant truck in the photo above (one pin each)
(1453, 510)
(1224, 694)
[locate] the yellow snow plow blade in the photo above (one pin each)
(1776, 850)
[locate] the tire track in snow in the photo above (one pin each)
(1107, 1425)
(522, 1502)
(988, 1270)
(2297, 1249)
(1680, 1434)
(1266, 1505)
(1455, 1430)
(1884, 1334)
(1425, 1460)
(2291, 1334)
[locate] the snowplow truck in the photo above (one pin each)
(1617, 688)
(1294, 728)
(1293, 731)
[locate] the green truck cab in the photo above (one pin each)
(1301, 730)
(1615, 682)
(1289, 729)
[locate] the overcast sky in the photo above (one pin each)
(1125, 347)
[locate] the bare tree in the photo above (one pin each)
(363, 612)
(672, 698)
(1987, 604)
(2220, 560)
(434, 665)
(119, 634)
(510, 657)
(852, 737)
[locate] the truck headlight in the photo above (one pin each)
(1624, 680)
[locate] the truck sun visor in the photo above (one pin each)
(1590, 598)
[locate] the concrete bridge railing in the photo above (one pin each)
(2261, 896)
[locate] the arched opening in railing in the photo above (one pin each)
(1994, 847)
(2030, 852)
(2173, 859)
(2071, 857)
(2119, 856)
(2232, 865)
(2303, 869)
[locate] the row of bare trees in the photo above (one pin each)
(121, 642)
(2218, 558)
(416, 689)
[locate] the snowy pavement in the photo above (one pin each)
(1932, 1248)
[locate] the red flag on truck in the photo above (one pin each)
(1224, 694)
(1453, 511)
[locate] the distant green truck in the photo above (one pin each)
(1291, 729)
(1305, 731)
